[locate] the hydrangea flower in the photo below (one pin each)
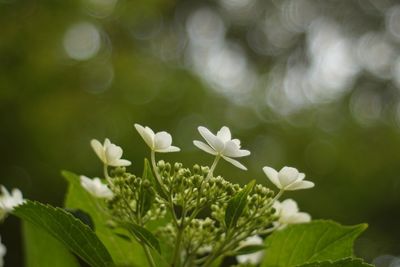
(96, 188)
(222, 145)
(253, 258)
(288, 213)
(158, 142)
(109, 153)
(3, 251)
(9, 201)
(287, 178)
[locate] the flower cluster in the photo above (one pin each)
(204, 216)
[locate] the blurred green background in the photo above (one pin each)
(304, 83)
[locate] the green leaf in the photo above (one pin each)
(348, 262)
(143, 235)
(147, 195)
(71, 232)
(248, 250)
(123, 252)
(148, 175)
(237, 205)
(43, 250)
(316, 241)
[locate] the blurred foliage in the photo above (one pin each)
(63, 82)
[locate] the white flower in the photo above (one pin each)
(222, 145)
(96, 188)
(159, 142)
(9, 201)
(109, 153)
(287, 178)
(3, 251)
(288, 213)
(253, 258)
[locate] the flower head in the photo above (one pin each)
(222, 145)
(96, 188)
(9, 201)
(253, 258)
(159, 142)
(288, 213)
(287, 178)
(109, 153)
(3, 251)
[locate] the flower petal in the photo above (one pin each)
(168, 149)
(289, 207)
(300, 217)
(162, 140)
(113, 153)
(211, 139)
(272, 175)
(224, 134)
(300, 185)
(98, 149)
(204, 147)
(147, 134)
(235, 163)
(287, 176)
(120, 163)
(232, 150)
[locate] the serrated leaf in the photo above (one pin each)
(316, 241)
(123, 252)
(237, 205)
(348, 262)
(43, 250)
(248, 250)
(67, 229)
(143, 235)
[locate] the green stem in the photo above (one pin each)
(149, 257)
(176, 260)
(280, 193)
(105, 170)
(213, 166)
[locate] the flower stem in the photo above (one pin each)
(153, 163)
(280, 193)
(176, 259)
(149, 257)
(213, 166)
(105, 170)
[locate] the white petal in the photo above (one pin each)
(288, 175)
(224, 134)
(211, 139)
(301, 177)
(300, 217)
(236, 141)
(204, 147)
(147, 134)
(169, 149)
(289, 207)
(300, 185)
(113, 153)
(98, 149)
(235, 163)
(272, 175)
(120, 163)
(162, 140)
(232, 150)
(95, 187)
(107, 142)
